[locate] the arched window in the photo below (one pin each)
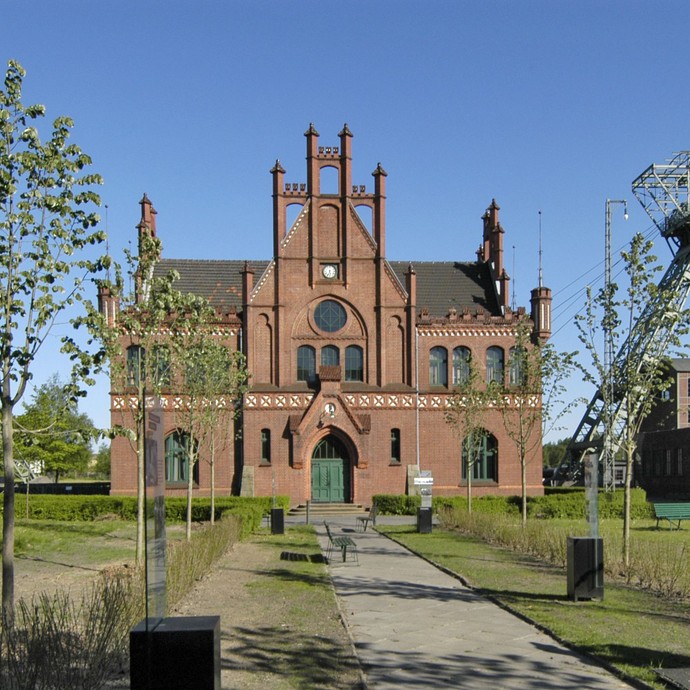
(136, 365)
(494, 365)
(160, 357)
(354, 363)
(330, 356)
(177, 447)
(438, 366)
(306, 363)
(517, 373)
(483, 457)
(461, 365)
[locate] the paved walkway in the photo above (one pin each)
(413, 626)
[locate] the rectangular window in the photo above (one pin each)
(668, 463)
(265, 446)
(679, 461)
(395, 446)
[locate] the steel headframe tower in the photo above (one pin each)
(663, 190)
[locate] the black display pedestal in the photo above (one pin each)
(585, 568)
(175, 654)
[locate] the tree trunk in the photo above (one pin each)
(627, 497)
(141, 490)
(190, 486)
(469, 487)
(213, 480)
(523, 481)
(8, 513)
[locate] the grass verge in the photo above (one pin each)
(634, 631)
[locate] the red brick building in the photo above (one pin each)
(352, 356)
(663, 465)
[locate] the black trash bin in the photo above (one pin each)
(585, 568)
(277, 521)
(424, 520)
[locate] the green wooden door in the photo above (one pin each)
(330, 472)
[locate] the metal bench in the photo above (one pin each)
(364, 520)
(673, 512)
(343, 544)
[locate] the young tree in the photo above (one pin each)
(225, 384)
(634, 379)
(532, 400)
(466, 412)
(137, 336)
(47, 222)
(214, 381)
(51, 433)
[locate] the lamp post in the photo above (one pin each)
(608, 384)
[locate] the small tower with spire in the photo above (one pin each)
(541, 303)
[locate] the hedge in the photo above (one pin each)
(88, 508)
(567, 503)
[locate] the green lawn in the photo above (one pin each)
(633, 630)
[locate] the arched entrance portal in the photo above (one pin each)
(330, 472)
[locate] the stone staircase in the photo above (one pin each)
(328, 510)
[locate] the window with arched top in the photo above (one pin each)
(177, 452)
(354, 363)
(438, 366)
(306, 363)
(136, 365)
(461, 365)
(160, 365)
(330, 356)
(494, 365)
(516, 371)
(480, 456)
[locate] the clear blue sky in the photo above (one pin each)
(550, 105)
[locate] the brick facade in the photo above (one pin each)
(367, 415)
(663, 466)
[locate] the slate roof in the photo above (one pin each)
(219, 281)
(441, 285)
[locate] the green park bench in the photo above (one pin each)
(364, 520)
(673, 512)
(343, 544)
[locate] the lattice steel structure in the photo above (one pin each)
(662, 190)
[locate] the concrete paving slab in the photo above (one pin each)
(414, 626)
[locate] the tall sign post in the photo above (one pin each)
(155, 546)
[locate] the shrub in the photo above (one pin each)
(398, 504)
(88, 508)
(188, 561)
(54, 642)
(570, 504)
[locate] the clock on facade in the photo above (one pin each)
(329, 271)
